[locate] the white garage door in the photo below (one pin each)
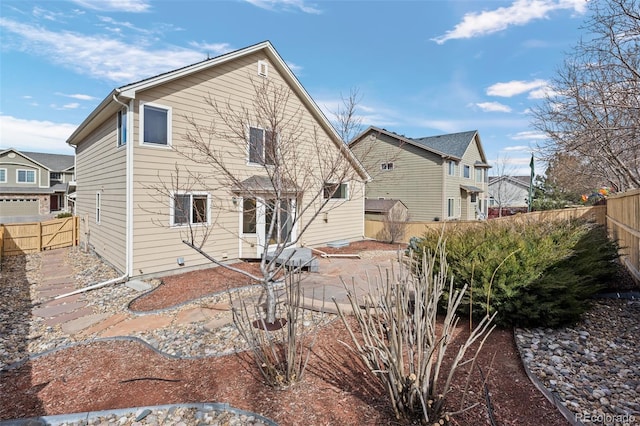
(19, 207)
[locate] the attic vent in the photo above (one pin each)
(263, 68)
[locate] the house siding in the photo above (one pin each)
(100, 164)
(18, 162)
(156, 245)
(416, 178)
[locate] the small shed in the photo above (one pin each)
(383, 208)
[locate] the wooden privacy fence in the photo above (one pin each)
(623, 224)
(377, 229)
(22, 238)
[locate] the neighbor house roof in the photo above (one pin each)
(373, 205)
(114, 101)
(53, 162)
(451, 145)
(516, 180)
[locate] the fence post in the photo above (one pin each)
(75, 230)
(39, 237)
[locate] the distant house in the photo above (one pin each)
(508, 191)
(437, 178)
(34, 183)
(133, 139)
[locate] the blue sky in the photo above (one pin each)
(422, 68)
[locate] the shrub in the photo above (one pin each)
(532, 273)
(399, 340)
(63, 215)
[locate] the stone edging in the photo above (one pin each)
(86, 416)
(566, 413)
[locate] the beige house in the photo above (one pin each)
(438, 177)
(34, 183)
(143, 190)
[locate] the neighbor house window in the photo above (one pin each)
(336, 191)
(122, 127)
(474, 197)
(55, 176)
(478, 175)
(190, 209)
(26, 176)
(98, 206)
(466, 171)
(3, 175)
(386, 166)
(450, 207)
(249, 216)
(156, 125)
(452, 168)
(262, 146)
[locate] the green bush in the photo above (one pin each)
(63, 215)
(531, 273)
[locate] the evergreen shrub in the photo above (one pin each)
(532, 273)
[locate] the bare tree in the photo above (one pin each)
(592, 111)
(297, 172)
(504, 190)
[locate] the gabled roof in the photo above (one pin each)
(380, 206)
(121, 95)
(516, 180)
(448, 146)
(52, 162)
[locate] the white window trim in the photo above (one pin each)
(98, 207)
(122, 116)
(347, 195)
(35, 177)
(453, 207)
(462, 169)
(264, 147)
(169, 125)
(449, 171)
(5, 176)
(257, 212)
(184, 225)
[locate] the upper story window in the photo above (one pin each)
(122, 127)
(386, 166)
(156, 125)
(452, 168)
(263, 68)
(466, 171)
(26, 176)
(262, 146)
(190, 209)
(3, 175)
(55, 177)
(479, 177)
(336, 191)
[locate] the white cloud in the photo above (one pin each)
(212, 48)
(521, 12)
(493, 107)
(78, 96)
(101, 56)
(115, 5)
(72, 105)
(296, 69)
(528, 135)
(286, 5)
(35, 135)
(516, 87)
(516, 148)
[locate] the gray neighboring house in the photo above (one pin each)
(508, 191)
(35, 184)
(440, 177)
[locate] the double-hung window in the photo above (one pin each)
(156, 125)
(190, 209)
(479, 175)
(262, 146)
(452, 168)
(336, 191)
(26, 176)
(122, 127)
(466, 172)
(3, 175)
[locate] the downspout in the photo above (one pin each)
(128, 186)
(127, 273)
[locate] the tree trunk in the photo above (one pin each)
(271, 303)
